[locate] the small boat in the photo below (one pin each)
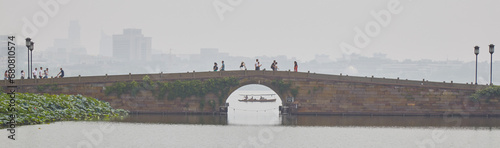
(257, 98)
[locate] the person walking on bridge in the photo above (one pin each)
(243, 66)
(215, 66)
(222, 67)
(22, 74)
(46, 74)
(274, 66)
(257, 65)
(34, 73)
(40, 72)
(295, 67)
(60, 74)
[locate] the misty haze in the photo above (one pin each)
(249, 73)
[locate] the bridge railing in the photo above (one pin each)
(394, 81)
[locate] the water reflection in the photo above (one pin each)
(391, 121)
(176, 119)
(253, 117)
(331, 121)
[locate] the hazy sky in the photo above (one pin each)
(422, 29)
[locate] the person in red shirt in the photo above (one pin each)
(295, 67)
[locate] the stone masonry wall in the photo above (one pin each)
(344, 98)
(318, 94)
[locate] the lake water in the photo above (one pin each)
(260, 125)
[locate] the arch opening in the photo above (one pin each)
(241, 112)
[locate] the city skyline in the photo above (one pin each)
(70, 54)
(441, 31)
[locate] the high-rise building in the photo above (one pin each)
(106, 45)
(68, 49)
(74, 33)
(132, 45)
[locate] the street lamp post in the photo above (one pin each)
(476, 51)
(32, 46)
(492, 49)
(28, 44)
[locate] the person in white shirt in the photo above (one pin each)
(257, 65)
(34, 73)
(40, 73)
(243, 66)
(22, 74)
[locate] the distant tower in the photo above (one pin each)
(74, 38)
(106, 45)
(74, 33)
(69, 49)
(132, 45)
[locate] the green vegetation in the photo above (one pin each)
(35, 108)
(486, 93)
(123, 87)
(177, 89)
(294, 92)
(281, 86)
(285, 87)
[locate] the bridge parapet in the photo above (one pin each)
(239, 73)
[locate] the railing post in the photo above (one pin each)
(130, 76)
(194, 76)
(308, 72)
(79, 77)
(161, 74)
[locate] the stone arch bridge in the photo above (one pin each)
(315, 93)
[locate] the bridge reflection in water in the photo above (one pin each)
(340, 121)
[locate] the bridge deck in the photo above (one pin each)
(240, 73)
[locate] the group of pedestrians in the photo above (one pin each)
(274, 66)
(222, 68)
(38, 74)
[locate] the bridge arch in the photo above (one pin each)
(259, 81)
(261, 89)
